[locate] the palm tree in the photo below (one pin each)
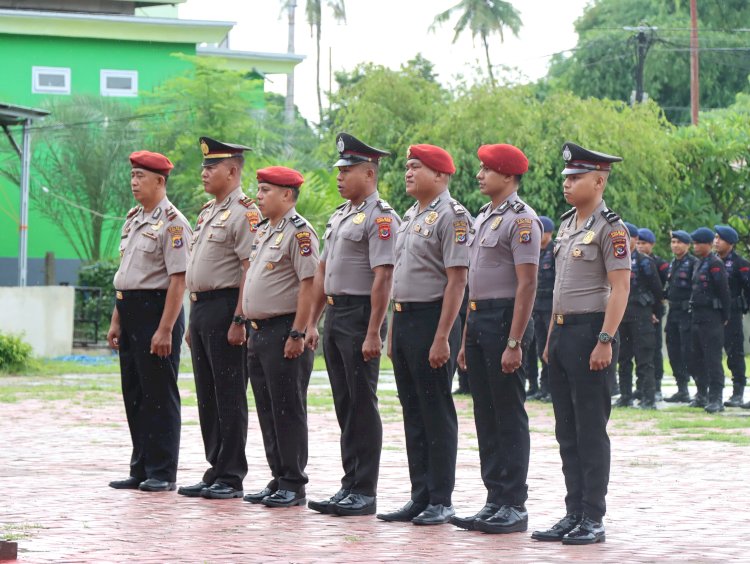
(483, 18)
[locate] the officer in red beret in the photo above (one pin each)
(429, 279)
(503, 254)
(148, 323)
(277, 299)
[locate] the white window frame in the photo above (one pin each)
(104, 74)
(37, 88)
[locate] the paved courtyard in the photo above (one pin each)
(680, 489)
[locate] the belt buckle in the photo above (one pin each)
(559, 319)
(473, 306)
(193, 297)
(329, 299)
(118, 295)
(397, 305)
(254, 325)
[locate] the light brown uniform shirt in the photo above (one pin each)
(427, 243)
(500, 239)
(281, 257)
(153, 246)
(355, 242)
(584, 256)
(222, 239)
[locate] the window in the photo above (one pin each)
(119, 83)
(50, 80)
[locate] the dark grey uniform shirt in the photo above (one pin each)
(355, 242)
(501, 238)
(427, 243)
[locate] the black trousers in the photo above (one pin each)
(463, 375)
(280, 388)
(679, 344)
(541, 319)
(221, 387)
(499, 413)
(707, 344)
(430, 422)
(354, 384)
(734, 344)
(637, 342)
(658, 354)
(149, 385)
(581, 399)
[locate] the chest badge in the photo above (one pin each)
(359, 218)
(577, 253)
(225, 215)
(588, 237)
(417, 228)
(496, 222)
(431, 218)
(157, 226)
(278, 239)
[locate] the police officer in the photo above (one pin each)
(148, 323)
(709, 305)
(592, 283)
(428, 286)
(678, 336)
(219, 254)
(541, 315)
(738, 273)
(503, 255)
(354, 278)
(637, 327)
(645, 246)
(277, 298)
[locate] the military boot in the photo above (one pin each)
(682, 395)
(736, 400)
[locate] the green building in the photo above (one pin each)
(120, 48)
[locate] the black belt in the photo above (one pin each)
(214, 294)
(347, 300)
(138, 294)
(577, 318)
(416, 306)
(496, 303)
(259, 324)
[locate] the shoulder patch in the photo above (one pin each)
(385, 206)
(383, 223)
(297, 221)
(568, 213)
(253, 219)
(133, 211)
(208, 203)
(518, 207)
(610, 216)
(171, 213)
(305, 243)
(247, 202)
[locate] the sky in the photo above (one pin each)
(390, 32)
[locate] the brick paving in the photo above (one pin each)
(669, 499)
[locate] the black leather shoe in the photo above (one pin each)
(220, 490)
(435, 515)
(405, 514)
(467, 523)
(714, 407)
(648, 405)
(354, 504)
(129, 483)
(508, 519)
(679, 397)
(734, 401)
(154, 485)
(285, 498)
(559, 529)
(258, 496)
(698, 401)
(624, 402)
(325, 505)
(192, 491)
(588, 531)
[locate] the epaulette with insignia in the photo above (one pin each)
(484, 207)
(133, 211)
(263, 221)
(458, 208)
(610, 216)
(171, 213)
(208, 203)
(385, 206)
(568, 213)
(518, 207)
(297, 221)
(247, 202)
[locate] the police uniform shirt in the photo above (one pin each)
(738, 273)
(510, 234)
(427, 243)
(711, 285)
(280, 258)
(222, 239)
(680, 278)
(358, 239)
(153, 246)
(583, 257)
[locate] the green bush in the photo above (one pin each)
(90, 309)
(15, 354)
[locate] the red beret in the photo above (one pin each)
(280, 176)
(154, 162)
(503, 158)
(436, 158)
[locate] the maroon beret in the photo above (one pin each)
(154, 162)
(503, 158)
(280, 176)
(434, 157)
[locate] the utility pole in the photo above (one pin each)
(289, 102)
(644, 38)
(694, 74)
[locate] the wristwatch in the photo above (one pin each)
(606, 338)
(513, 343)
(238, 320)
(294, 334)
